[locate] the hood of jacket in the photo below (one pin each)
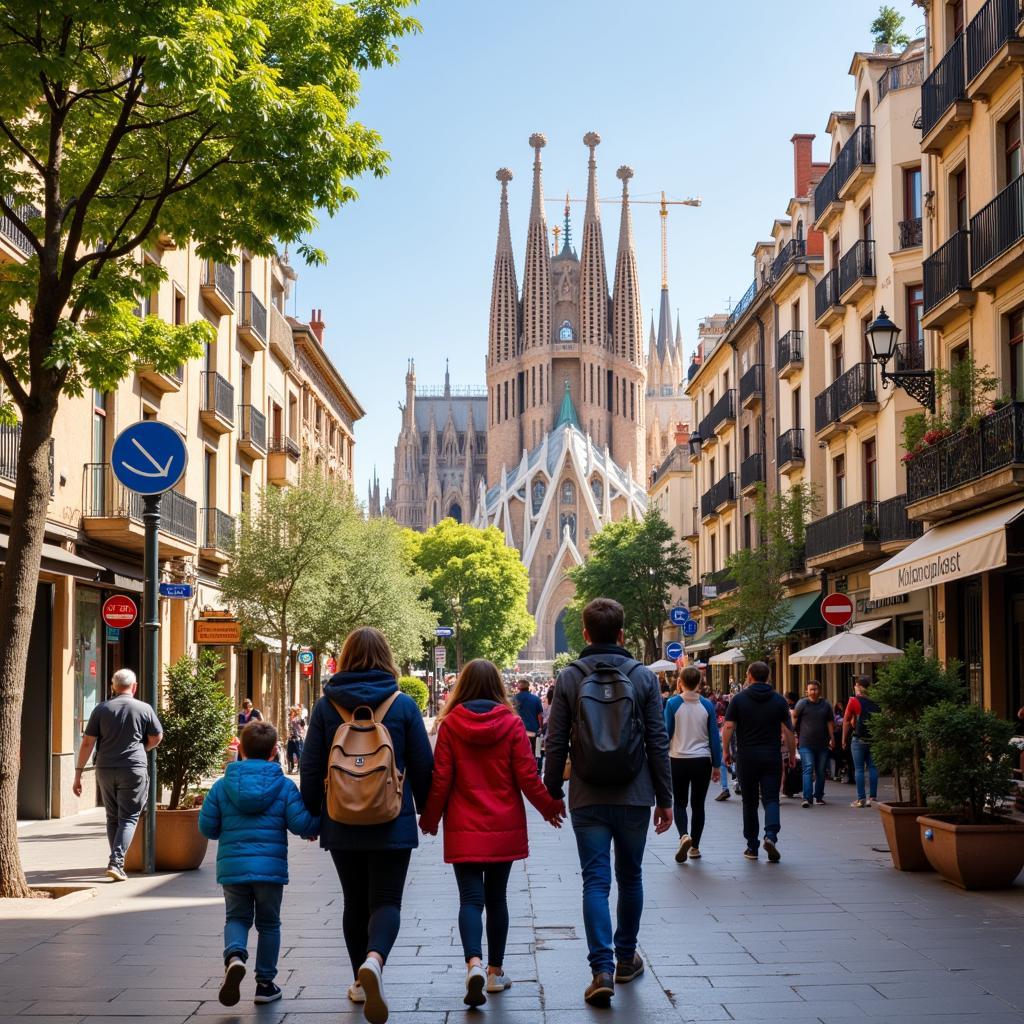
(592, 650)
(760, 692)
(358, 689)
(482, 723)
(252, 786)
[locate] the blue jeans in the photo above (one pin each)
(813, 761)
(862, 759)
(596, 828)
(243, 903)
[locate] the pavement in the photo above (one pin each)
(832, 934)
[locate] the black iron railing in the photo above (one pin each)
(855, 524)
(721, 581)
(178, 516)
(743, 305)
(893, 523)
(218, 396)
(694, 595)
(855, 386)
(825, 191)
(826, 293)
(858, 262)
(752, 382)
(752, 470)
(998, 225)
(900, 76)
(794, 249)
(910, 233)
(791, 446)
(220, 277)
(105, 497)
(252, 425)
(944, 86)
(910, 355)
(252, 314)
(10, 447)
(218, 530)
(988, 31)
(27, 212)
(859, 151)
(284, 444)
(724, 409)
(790, 349)
(946, 271)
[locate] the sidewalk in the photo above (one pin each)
(833, 934)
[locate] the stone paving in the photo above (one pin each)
(832, 934)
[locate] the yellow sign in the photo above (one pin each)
(217, 632)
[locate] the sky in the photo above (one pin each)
(700, 99)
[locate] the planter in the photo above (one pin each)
(180, 846)
(986, 856)
(899, 820)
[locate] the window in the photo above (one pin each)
(865, 109)
(506, 399)
(956, 19)
(747, 534)
(712, 542)
(870, 456)
(597, 488)
(865, 344)
(568, 493)
(837, 358)
(746, 442)
(209, 479)
(565, 331)
(794, 316)
(1011, 148)
(866, 231)
(537, 496)
(179, 309)
(839, 482)
(1016, 342)
(915, 332)
(959, 399)
(728, 541)
(959, 194)
(834, 251)
(796, 407)
(912, 193)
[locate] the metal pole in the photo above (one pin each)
(150, 662)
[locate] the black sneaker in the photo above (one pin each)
(234, 972)
(773, 851)
(723, 795)
(750, 854)
(266, 992)
(600, 991)
(820, 803)
(625, 973)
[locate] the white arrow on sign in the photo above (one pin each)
(158, 470)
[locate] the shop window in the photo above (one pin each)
(88, 657)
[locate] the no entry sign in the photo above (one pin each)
(837, 609)
(119, 611)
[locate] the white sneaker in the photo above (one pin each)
(476, 981)
(116, 873)
(355, 993)
(371, 981)
(498, 982)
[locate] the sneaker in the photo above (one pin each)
(806, 803)
(498, 982)
(234, 972)
(266, 992)
(371, 978)
(773, 851)
(750, 854)
(694, 853)
(859, 803)
(625, 973)
(355, 993)
(116, 873)
(685, 842)
(476, 980)
(820, 803)
(600, 991)
(723, 795)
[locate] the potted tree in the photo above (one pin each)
(968, 771)
(198, 719)
(904, 689)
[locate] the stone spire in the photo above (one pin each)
(593, 273)
(664, 325)
(567, 413)
(679, 343)
(469, 451)
(373, 506)
(536, 327)
(504, 324)
(627, 323)
(652, 351)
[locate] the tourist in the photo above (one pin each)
(530, 710)
(759, 717)
(296, 738)
(611, 789)
(857, 737)
(814, 726)
(372, 860)
(248, 714)
(483, 767)
(695, 753)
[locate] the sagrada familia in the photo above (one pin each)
(573, 416)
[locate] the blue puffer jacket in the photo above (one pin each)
(251, 811)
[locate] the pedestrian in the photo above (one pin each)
(530, 710)
(695, 753)
(250, 812)
(815, 726)
(122, 731)
(372, 860)
(610, 706)
(857, 737)
(483, 766)
(248, 714)
(296, 738)
(759, 717)
(665, 689)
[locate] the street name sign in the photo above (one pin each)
(149, 457)
(119, 611)
(444, 631)
(837, 609)
(178, 591)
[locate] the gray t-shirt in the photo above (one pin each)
(812, 720)
(120, 726)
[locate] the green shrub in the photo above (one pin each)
(561, 660)
(415, 688)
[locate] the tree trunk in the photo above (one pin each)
(17, 605)
(915, 773)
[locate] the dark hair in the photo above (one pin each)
(813, 682)
(664, 686)
(479, 680)
(792, 695)
(759, 671)
(690, 677)
(864, 681)
(258, 741)
(604, 619)
(366, 649)
(524, 683)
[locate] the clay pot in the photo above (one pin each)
(986, 856)
(180, 846)
(899, 820)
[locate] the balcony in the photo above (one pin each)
(789, 354)
(113, 515)
(857, 270)
(691, 524)
(12, 233)
(827, 204)
(907, 75)
(856, 161)
(165, 383)
(718, 497)
(789, 255)
(282, 344)
(252, 432)
(743, 305)
(283, 462)
(751, 473)
(895, 528)
(910, 235)
(944, 103)
(217, 287)
(791, 450)
(722, 415)
(994, 49)
(694, 595)
(218, 402)
(968, 469)
(846, 537)
(715, 584)
(218, 537)
(846, 401)
(947, 282)
(252, 321)
(10, 448)
(997, 237)
(910, 355)
(752, 387)
(827, 306)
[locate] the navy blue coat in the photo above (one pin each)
(412, 754)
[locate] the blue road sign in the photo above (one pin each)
(305, 657)
(113, 635)
(673, 650)
(444, 631)
(678, 616)
(177, 590)
(690, 627)
(148, 457)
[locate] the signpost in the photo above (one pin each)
(690, 627)
(149, 458)
(674, 650)
(679, 616)
(178, 591)
(305, 657)
(440, 656)
(119, 611)
(444, 631)
(837, 609)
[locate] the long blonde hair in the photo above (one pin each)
(478, 680)
(366, 649)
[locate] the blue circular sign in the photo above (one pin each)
(673, 650)
(690, 627)
(305, 657)
(678, 616)
(148, 457)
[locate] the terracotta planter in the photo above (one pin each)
(180, 846)
(974, 856)
(899, 820)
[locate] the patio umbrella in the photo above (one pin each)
(663, 666)
(733, 656)
(845, 648)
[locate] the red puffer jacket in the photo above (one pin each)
(483, 765)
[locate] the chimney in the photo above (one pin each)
(801, 164)
(682, 433)
(316, 324)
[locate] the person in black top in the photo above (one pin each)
(531, 712)
(759, 716)
(814, 724)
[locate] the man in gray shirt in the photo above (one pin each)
(121, 730)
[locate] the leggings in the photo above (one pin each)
(372, 882)
(690, 774)
(480, 886)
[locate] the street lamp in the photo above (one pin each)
(919, 384)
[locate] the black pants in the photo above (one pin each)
(760, 775)
(691, 777)
(483, 886)
(372, 882)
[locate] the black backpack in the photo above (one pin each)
(607, 741)
(862, 729)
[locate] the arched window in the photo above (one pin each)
(538, 492)
(561, 640)
(799, 230)
(568, 493)
(568, 519)
(456, 512)
(865, 109)
(597, 489)
(565, 331)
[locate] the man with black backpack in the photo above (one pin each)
(606, 725)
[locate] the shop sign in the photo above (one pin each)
(217, 632)
(883, 602)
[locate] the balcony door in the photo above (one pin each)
(959, 193)
(912, 193)
(870, 455)
(1016, 343)
(1010, 136)
(797, 420)
(839, 482)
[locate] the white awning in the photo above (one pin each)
(733, 656)
(869, 625)
(947, 552)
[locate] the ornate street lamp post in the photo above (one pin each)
(919, 384)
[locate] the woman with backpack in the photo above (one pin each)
(366, 766)
(857, 737)
(484, 766)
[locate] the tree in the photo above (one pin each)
(478, 584)
(639, 563)
(415, 688)
(888, 27)
(222, 123)
(562, 660)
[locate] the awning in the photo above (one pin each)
(869, 625)
(803, 613)
(948, 552)
(733, 656)
(712, 638)
(56, 559)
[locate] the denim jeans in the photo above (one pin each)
(813, 761)
(862, 759)
(123, 792)
(596, 828)
(483, 886)
(760, 776)
(244, 902)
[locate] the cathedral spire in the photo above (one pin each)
(627, 322)
(447, 381)
(504, 324)
(593, 272)
(536, 275)
(567, 412)
(664, 325)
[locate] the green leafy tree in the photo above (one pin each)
(223, 123)
(888, 27)
(415, 688)
(478, 584)
(638, 562)
(562, 660)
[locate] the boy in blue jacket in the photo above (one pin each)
(251, 811)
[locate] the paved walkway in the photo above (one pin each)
(832, 934)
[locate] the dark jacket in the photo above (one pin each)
(654, 783)
(412, 755)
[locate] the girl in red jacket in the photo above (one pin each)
(483, 764)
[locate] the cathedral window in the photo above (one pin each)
(538, 492)
(568, 493)
(632, 400)
(597, 489)
(568, 520)
(565, 331)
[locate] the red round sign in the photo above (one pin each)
(119, 611)
(837, 609)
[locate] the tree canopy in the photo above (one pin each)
(888, 27)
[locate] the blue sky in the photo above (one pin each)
(699, 98)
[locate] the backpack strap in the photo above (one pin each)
(383, 709)
(343, 713)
